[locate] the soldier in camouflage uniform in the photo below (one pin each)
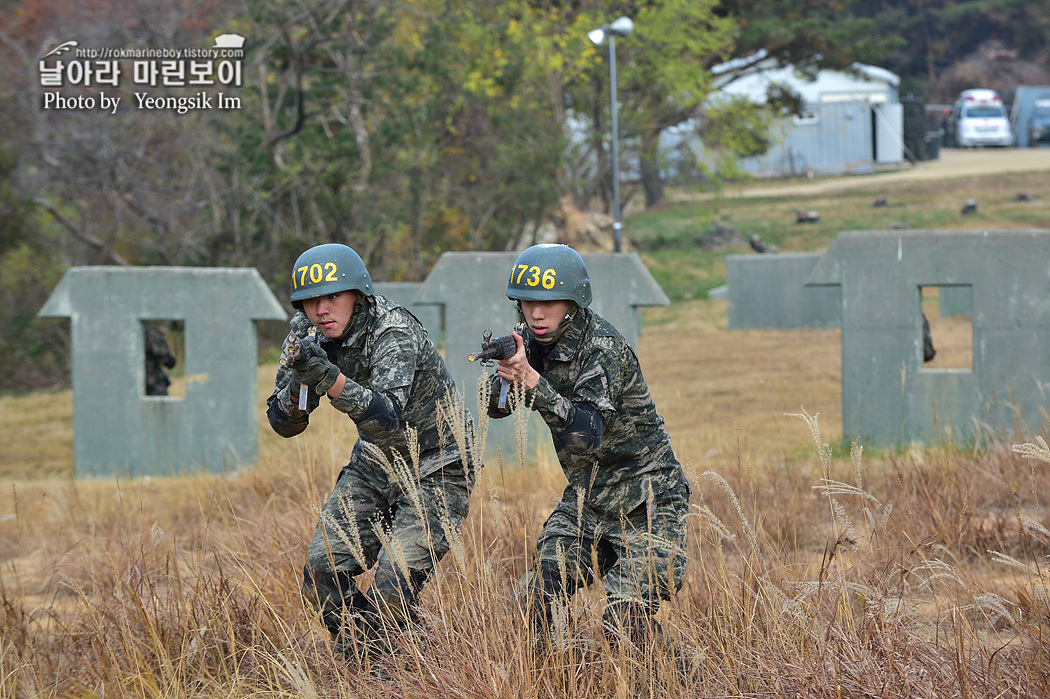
(622, 517)
(375, 362)
(158, 355)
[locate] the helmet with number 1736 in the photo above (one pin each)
(327, 269)
(550, 273)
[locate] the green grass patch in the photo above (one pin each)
(668, 236)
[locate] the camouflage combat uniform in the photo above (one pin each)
(158, 355)
(387, 358)
(625, 507)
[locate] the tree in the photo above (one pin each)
(927, 38)
(661, 79)
(806, 34)
(403, 130)
(665, 66)
(668, 75)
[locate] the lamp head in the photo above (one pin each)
(621, 27)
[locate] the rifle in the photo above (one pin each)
(297, 349)
(501, 348)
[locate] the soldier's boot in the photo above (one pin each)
(627, 621)
(329, 593)
(366, 632)
(394, 602)
(544, 595)
(633, 622)
(345, 611)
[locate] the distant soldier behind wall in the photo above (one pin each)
(158, 355)
(928, 350)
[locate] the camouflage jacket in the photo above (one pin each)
(386, 352)
(592, 363)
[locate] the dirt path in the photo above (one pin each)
(951, 163)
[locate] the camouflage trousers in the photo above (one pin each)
(157, 381)
(640, 558)
(372, 519)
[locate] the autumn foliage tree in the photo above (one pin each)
(403, 129)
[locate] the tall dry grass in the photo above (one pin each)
(921, 574)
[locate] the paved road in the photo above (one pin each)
(951, 163)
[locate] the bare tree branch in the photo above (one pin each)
(81, 235)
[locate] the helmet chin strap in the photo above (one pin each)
(558, 332)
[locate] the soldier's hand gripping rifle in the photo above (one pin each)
(296, 350)
(494, 350)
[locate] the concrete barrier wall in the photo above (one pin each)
(405, 294)
(888, 396)
(117, 429)
(769, 291)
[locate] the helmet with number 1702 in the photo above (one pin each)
(328, 269)
(550, 273)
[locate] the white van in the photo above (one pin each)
(978, 118)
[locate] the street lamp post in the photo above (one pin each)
(621, 27)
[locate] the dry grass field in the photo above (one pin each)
(817, 568)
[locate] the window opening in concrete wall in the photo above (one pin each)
(949, 311)
(163, 344)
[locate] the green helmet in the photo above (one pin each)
(550, 273)
(326, 269)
